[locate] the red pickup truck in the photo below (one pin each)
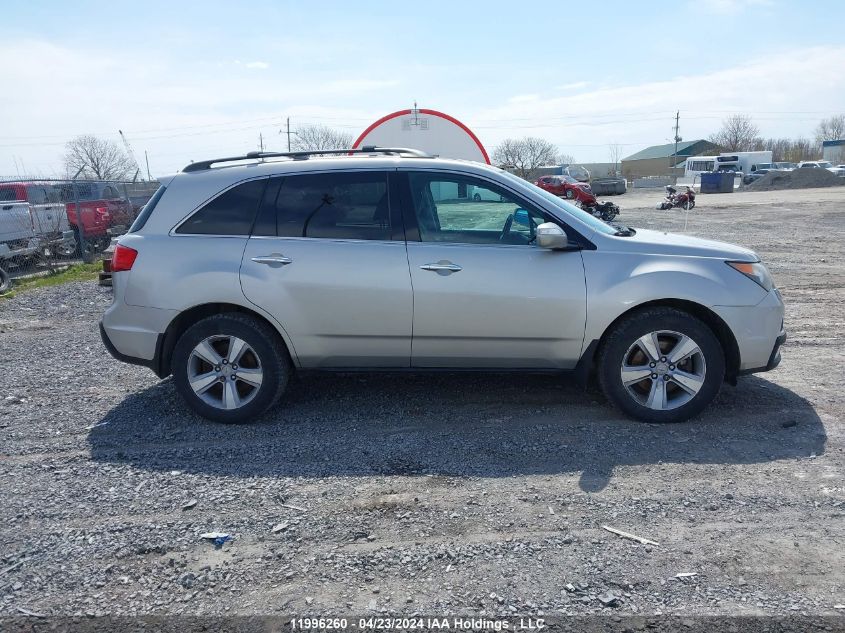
(104, 211)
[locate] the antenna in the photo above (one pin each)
(416, 112)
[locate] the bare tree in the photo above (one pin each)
(525, 154)
(564, 159)
(615, 150)
(738, 134)
(832, 129)
(787, 149)
(97, 158)
(312, 138)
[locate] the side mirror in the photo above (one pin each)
(550, 235)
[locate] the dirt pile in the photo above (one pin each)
(797, 179)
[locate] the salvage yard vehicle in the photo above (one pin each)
(47, 214)
(675, 200)
(822, 164)
(17, 238)
(103, 212)
(580, 193)
(241, 270)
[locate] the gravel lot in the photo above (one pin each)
(437, 494)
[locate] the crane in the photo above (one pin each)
(131, 155)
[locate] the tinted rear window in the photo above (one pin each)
(230, 213)
(352, 205)
(147, 210)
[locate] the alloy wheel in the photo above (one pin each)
(663, 370)
(224, 371)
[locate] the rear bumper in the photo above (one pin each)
(135, 334)
(153, 363)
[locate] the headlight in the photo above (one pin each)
(755, 271)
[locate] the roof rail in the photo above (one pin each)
(305, 155)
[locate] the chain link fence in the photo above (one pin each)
(47, 225)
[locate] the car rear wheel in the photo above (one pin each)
(661, 365)
(230, 367)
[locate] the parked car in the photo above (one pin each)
(756, 175)
(17, 238)
(821, 164)
(47, 214)
(785, 166)
(236, 275)
(104, 211)
(566, 187)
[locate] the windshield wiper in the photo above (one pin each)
(623, 231)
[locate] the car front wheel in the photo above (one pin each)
(230, 367)
(661, 365)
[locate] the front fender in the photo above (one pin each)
(619, 282)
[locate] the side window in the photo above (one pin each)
(488, 215)
(352, 205)
(36, 195)
(230, 213)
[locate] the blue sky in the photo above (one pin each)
(187, 80)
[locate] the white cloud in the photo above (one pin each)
(786, 93)
(180, 111)
(257, 65)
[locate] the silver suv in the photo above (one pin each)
(241, 270)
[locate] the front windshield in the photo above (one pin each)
(825, 165)
(565, 207)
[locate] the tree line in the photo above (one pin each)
(739, 133)
(102, 159)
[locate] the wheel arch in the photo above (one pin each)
(187, 318)
(723, 333)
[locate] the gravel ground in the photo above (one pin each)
(436, 494)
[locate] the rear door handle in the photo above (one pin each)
(443, 267)
(275, 260)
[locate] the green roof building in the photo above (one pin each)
(661, 160)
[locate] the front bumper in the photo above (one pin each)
(774, 357)
(758, 331)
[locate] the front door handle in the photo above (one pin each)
(275, 260)
(443, 267)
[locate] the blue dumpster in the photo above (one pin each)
(717, 182)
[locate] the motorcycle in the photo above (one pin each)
(587, 201)
(605, 211)
(674, 200)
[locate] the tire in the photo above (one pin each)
(264, 355)
(569, 194)
(5, 281)
(702, 371)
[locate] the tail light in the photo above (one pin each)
(123, 258)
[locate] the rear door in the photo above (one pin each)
(49, 217)
(327, 259)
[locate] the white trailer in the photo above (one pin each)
(738, 162)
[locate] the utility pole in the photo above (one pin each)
(147, 160)
(261, 141)
(677, 140)
(288, 132)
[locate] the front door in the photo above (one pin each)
(327, 260)
(485, 296)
